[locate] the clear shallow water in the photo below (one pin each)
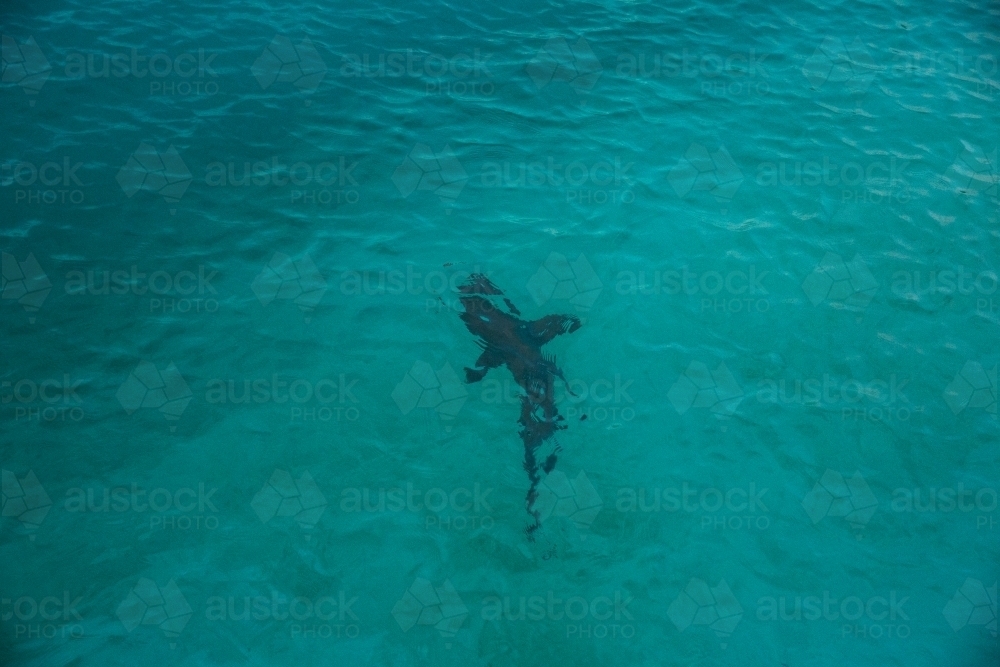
(825, 218)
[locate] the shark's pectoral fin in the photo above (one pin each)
(546, 328)
(490, 358)
(475, 374)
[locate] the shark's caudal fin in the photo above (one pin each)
(510, 341)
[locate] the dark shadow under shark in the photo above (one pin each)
(510, 341)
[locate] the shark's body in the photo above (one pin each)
(517, 344)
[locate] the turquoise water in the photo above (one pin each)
(235, 423)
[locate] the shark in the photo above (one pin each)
(507, 340)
